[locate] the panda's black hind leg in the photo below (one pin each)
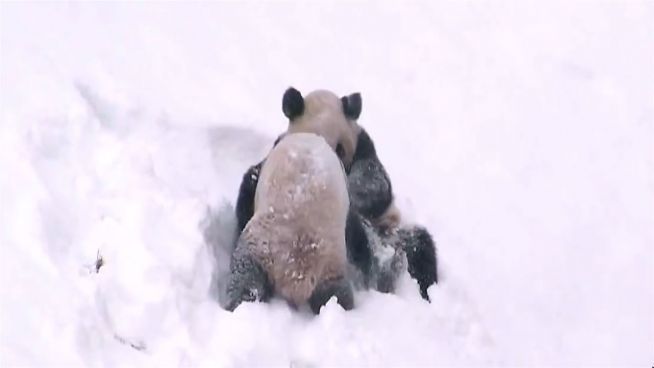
(421, 257)
(340, 288)
(247, 281)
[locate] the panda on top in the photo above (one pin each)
(378, 246)
(294, 244)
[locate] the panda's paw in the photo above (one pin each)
(391, 270)
(236, 297)
(340, 288)
(232, 303)
(247, 281)
(421, 257)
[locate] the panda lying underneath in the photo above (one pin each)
(294, 244)
(379, 247)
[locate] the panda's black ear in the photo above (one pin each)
(292, 103)
(352, 105)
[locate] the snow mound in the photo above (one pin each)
(519, 135)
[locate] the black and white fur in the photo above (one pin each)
(376, 240)
(294, 245)
(371, 195)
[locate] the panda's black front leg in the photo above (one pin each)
(340, 288)
(247, 281)
(421, 257)
(245, 200)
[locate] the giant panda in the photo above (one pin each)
(294, 243)
(377, 242)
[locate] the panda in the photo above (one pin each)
(294, 245)
(377, 243)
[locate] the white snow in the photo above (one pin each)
(521, 135)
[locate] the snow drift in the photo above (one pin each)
(520, 135)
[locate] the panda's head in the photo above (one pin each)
(324, 113)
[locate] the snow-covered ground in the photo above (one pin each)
(520, 135)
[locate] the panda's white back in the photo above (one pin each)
(301, 206)
(300, 172)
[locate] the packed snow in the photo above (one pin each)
(520, 135)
